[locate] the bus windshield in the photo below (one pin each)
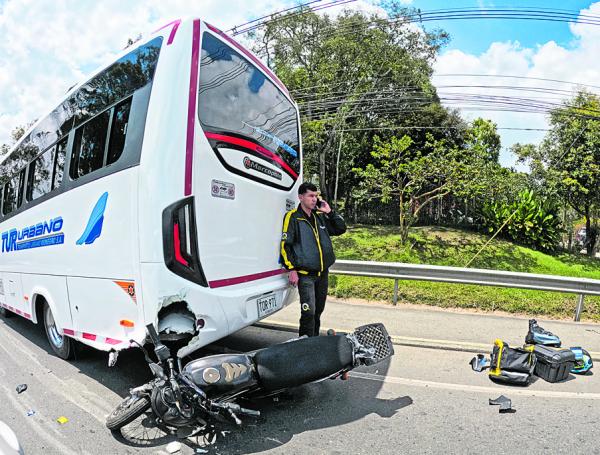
(237, 100)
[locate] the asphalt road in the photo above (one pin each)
(423, 401)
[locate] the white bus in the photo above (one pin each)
(153, 193)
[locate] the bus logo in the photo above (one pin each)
(94, 225)
(39, 235)
(250, 164)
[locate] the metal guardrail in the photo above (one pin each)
(401, 271)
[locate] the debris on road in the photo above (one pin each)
(583, 361)
(512, 365)
(173, 447)
(537, 335)
(541, 356)
(112, 358)
(21, 388)
(505, 404)
(62, 420)
(479, 363)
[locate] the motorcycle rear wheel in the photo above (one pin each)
(129, 410)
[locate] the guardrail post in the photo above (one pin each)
(395, 292)
(579, 308)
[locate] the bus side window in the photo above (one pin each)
(118, 131)
(40, 175)
(59, 163)
(90, 142)
(9, 196)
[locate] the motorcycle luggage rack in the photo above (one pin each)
(375, 336)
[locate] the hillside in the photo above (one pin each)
(454, 247)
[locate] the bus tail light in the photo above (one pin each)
(180, 245)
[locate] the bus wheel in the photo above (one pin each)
(5, 313)
(60, 344)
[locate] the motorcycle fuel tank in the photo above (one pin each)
(223, 373)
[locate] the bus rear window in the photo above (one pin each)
(236, 98)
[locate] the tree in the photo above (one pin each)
(568, 160)
(16, 134)
(482, 138)
(415, 177)
(356, 74)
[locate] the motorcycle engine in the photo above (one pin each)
(165, 408)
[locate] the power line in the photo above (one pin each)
(420, 16)
(435, 128)
(515, 77)
(276, 16)
(234, 29)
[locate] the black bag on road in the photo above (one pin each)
(511, 365)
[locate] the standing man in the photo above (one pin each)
(307, 252)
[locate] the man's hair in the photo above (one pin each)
(307, 186)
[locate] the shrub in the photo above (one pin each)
(533, 221)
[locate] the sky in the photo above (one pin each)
(49, 45)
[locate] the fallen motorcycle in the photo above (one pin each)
(205, 390)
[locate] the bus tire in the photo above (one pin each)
(5, 313)
(129, 410)
(62, 346)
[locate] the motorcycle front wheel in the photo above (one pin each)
(129, 410)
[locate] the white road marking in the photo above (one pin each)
(470, 388)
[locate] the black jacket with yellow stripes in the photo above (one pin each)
(305, 242)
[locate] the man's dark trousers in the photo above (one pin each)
(313, 293)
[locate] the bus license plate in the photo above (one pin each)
(267, 305)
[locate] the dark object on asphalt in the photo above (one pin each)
(553, 364)
(511, 365)
(203, 392)
(505, 404)
(21, 388)
(537, 335)
(583, 361)
(479, 363)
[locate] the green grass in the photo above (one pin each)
(454, 247)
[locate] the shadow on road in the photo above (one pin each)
(325, 404)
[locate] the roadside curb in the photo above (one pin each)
(446, 345)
